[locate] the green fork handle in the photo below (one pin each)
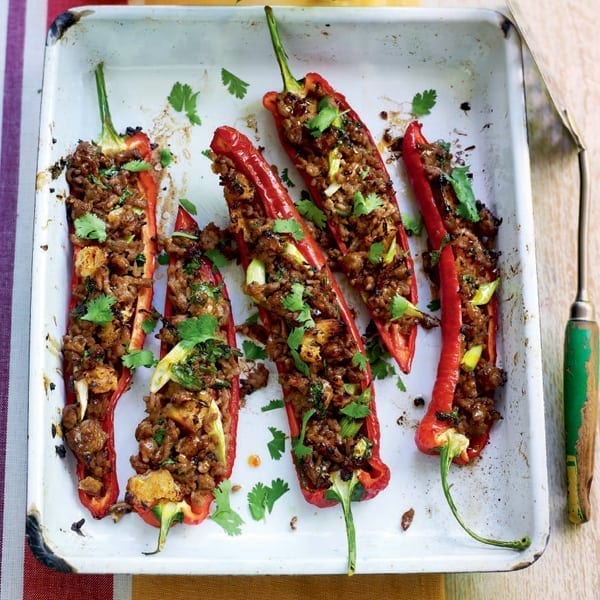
(580, 400)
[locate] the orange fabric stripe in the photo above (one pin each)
(359, 587)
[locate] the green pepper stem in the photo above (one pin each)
(168, 513)
(448, 452)
(290, 83)
(110, 140)
(345, 492)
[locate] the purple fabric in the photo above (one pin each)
(9, 180)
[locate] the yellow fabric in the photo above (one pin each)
(334, 587)
(284, 587)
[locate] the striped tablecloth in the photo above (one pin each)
(23, 25)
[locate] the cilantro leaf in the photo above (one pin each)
(356, 410)
(422, 103)
(90, 227)
(99, 310)
(277, 445)
(412, 226)
(135, 166)
(198, 329)
(257, 498)
(376, 252)
(272, 405)
(461, 182)
(148, 325)
(328, 115)
(138, 358)
(434, 305)
(290, 226)
(189, 206)
(166, 157)
(224, 515)
(253, 351)
(217, 258)
(298, 447)
(235, 85)
(365, 205)
(359, 360)
(400, 384)
(378, 356)
(182, 98)
(294, 302)
(262, 498)
(285, 177)
(309, 210)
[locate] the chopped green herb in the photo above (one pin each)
(159, 436)
(376, 252)
(99, 310)
(309, 210)
(216, 257)
(285, 177)
(377, 356)
(236, 86)
(262, 498)
(162, 258)
(166, 157)
(365, 205)
(189, 206)
(198, 329)
(328, 115)
(294, 302)
(461, 182)
(434, 305)
(135, 166)
(148, 325)
(290, 226)
(182, 98)
(90, 227)
(412, 226)
(253, 351)
(298, 447)
(138, 358)
(360, 360)
(224, 515)
(253, 319)
(277, 445)
(400, 384)
(272, 405)
(356, 410)
(422, 103)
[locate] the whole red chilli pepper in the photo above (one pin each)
(430, 175)
(258, 202)
(330, 149)
(157, 493)
(94, 385)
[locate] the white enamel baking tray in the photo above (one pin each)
(380, 58)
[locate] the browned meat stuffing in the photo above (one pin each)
(310, 343)
(340, 164)
(109, 271)
(476, 261)
(187, 435)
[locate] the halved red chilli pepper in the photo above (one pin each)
(313, 337)
(187, 442)
(462, 235)
(346, 177)
(111, 215)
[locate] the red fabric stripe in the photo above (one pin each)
(41, 583)
(56, 7)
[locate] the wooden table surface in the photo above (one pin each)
(568, 35)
